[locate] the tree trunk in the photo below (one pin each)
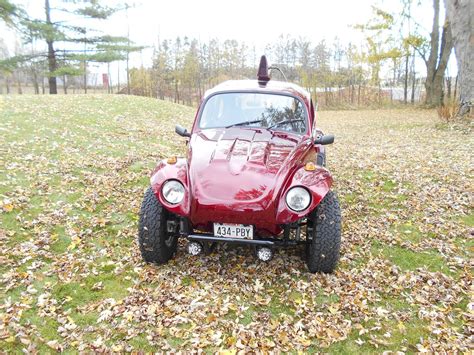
(437, 60)
(448, 86)
(128, 74)
(128, 51)
(461, 16)
(413, 78)
(380, 93)
(434, 92)
(405, 84)
(176, 93)
(18, 81)
(85, 65)
(109, 83)
(52, 65)
(118, 76)
(455, 87)
(85, 77)
(35, 82)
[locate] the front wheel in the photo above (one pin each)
(325, 239)
(156, 244)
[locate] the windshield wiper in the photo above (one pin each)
(283, 122)
(244, 123)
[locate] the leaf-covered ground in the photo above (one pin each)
(73, 170)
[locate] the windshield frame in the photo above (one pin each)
(204, 103)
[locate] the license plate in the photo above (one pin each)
(229, 230)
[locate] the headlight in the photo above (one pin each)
(173, 191)
(298, 198)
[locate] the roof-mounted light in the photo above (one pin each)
(262, 74)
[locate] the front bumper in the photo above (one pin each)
(267, 242)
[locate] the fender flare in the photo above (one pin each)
(317, 182)
(165, 171)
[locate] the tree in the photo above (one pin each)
(438, 59)
(6, 68)
(435, 52)
(162, 70)
(461, 18)
(10, 13)
(191, 70)
(381, 45)
(49, 36)
(71, 59)
(406, 23)
(116, 49)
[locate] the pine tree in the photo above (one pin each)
(69, 47)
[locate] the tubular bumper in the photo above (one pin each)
(256, 242)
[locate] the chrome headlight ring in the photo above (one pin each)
(173, 192)
(298, 198)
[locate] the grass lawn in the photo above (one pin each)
(73, 170)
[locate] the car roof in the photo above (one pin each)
(254, 85)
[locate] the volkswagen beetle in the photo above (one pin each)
(254, 174)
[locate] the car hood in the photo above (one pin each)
(240, 164)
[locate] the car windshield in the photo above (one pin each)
(271, 111)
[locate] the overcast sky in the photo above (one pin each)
(256, 22)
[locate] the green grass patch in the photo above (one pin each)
(106, 285)
(247, 316)
(326, 299)
(392, 336)
(349, 198)
(411, 260)
(277, 307)
(409, 231)
(389, 185)
(60, 240)
(46, 325)
(468, 220)
(368, 175)
(141, 342)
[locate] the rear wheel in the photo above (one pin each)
(156, 244)
(325, 239)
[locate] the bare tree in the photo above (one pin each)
(461, 17)
(438, 59)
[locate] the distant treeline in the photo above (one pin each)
(336, 75)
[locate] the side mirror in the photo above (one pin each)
(325, 139)
(183, 132)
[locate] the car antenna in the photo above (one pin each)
(262, 74)
(273, 67)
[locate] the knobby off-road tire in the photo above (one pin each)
(323, 249)
(155, 244)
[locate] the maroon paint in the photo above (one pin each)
(177, 171)
(242, 174)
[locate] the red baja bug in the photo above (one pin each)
(254, 174)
